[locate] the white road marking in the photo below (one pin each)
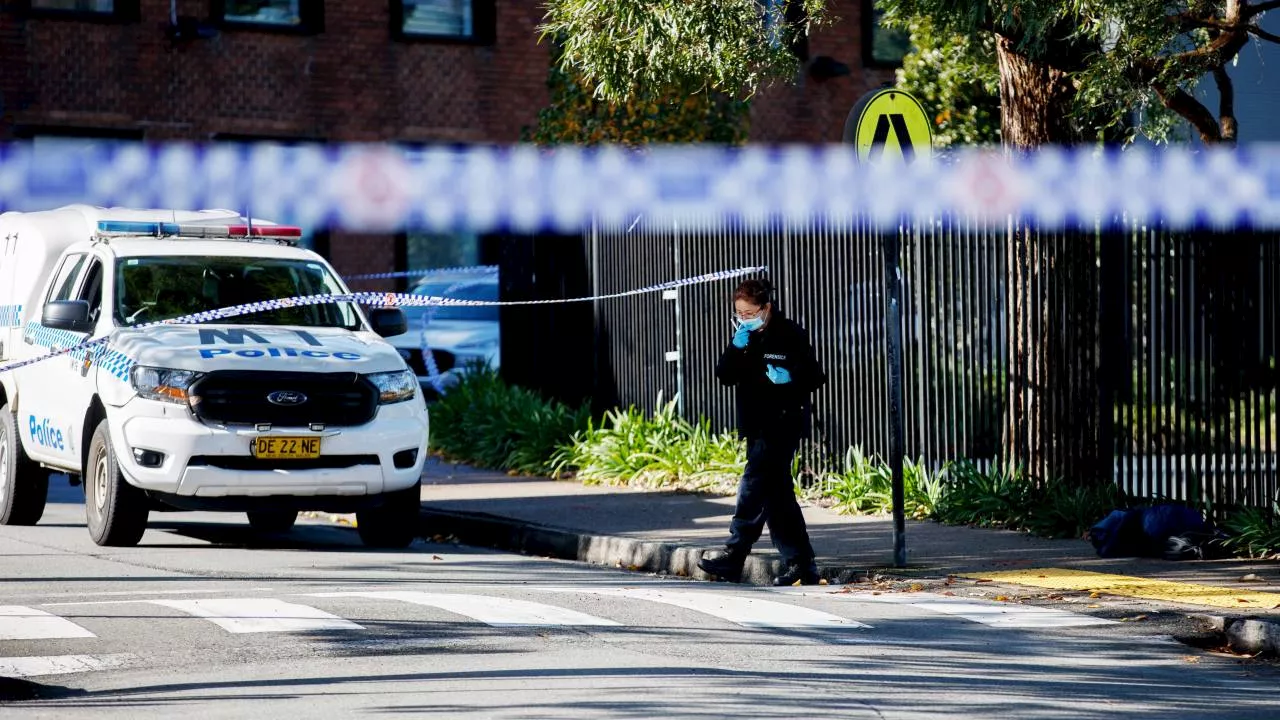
(24, 623)
(992, 613)
(257, 615)
(494, 611)
(62, 664)
(141, 594)
(747, 612)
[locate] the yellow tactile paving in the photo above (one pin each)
(1145, 588)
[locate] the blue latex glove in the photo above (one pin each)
(777, 375)
(741, 336)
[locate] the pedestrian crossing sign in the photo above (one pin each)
(889, 125)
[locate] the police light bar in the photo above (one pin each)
(166, 229)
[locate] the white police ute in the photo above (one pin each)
(302, 407)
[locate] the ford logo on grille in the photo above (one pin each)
(286, 397)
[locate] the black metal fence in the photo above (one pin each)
(1143, 356)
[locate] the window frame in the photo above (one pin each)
(484, 22)
(76, 264)
(122, 11)
(869, 24)
(310, 14)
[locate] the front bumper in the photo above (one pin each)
(211, 461)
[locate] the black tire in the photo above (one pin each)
(24, 485)
(394, 524)
(116, 511)
(272, 521)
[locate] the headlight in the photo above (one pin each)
(163, 384)
(394, 387)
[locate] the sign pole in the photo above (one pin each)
(881, 116)
(893, 283)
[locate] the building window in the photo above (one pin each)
(302, 16)
(461, 20)
(881, 46)
(87, 9)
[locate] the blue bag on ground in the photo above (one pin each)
(1146, 532)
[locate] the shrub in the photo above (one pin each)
(1254, 532)
(628, 447)
(864, 486)
(1008, 499)
(483, 421)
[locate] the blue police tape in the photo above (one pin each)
(460, 270)
(570, 189)
(380, 299)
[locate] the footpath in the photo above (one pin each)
(666, 532)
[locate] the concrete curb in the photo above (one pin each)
(484, 530)
(1251, 636)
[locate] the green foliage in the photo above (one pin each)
(625, 48)
(629, 447)
(1254, 532)
(484, 421)
(864, 486)
(1120, 54)
(956, 77)
(1008, 499)
(577, 116)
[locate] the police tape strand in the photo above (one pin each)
(460, 270)
(380, 299)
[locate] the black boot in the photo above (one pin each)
(801, 573)
(727, 566)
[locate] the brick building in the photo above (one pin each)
(457, 71)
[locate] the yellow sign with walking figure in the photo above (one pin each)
(889, 125)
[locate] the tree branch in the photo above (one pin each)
(1227, 125)
(1254, 10)
(1179, 101)
(1255, 30)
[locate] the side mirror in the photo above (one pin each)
(71, 315)
(388, 322)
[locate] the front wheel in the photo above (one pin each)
(394, 524)
(24, 485)
(116, 511)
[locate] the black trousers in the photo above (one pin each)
(766, 496)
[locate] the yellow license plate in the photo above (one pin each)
(286, 448)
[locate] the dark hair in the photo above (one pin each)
(757, 291)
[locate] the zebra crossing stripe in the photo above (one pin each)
(24, 623)
(62, 664)
(258, 615)
(993, 614)
(747, 612)
(493, 611)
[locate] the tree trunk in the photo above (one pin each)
(1035, 100)
(1053, 409)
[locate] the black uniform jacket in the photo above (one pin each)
(766, 409)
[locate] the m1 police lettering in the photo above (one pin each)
(275, 352)
(44, 433)
(237, 336)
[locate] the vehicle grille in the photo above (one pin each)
(240, 398)
(328, 462)
(413, 358)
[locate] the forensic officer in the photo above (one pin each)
(772, 366)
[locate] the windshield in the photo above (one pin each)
(150, 289)
(463, 289)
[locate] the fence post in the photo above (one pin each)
(893, 318)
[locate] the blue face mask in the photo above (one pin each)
(751, 325)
